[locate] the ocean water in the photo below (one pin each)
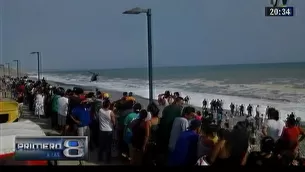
(278, 85)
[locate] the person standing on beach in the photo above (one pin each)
(127, 126)
(257, 110)
(140, 137)
(232, 107)
(204, 103)
(130, 97)
(123, 146)
(236, 110)
(292, 135)
(81, 116)
(94, 126)
(267, 112)
(74, 101)
(125, 95)
(242, 108)
(185, 152)
(39, 103)
(106, 127)
(180, 124)
(62, 111)
(169, 114)
(274, 125)
(198, 115)
(150, 155)
(249, 109)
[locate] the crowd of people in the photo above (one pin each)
(182, 135)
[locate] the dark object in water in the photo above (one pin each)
(94, 77)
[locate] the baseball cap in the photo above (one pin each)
(194, 124)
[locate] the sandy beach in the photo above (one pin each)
(115, 95)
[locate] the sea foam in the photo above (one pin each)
(140, 88)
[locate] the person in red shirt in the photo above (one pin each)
(291, 134)
(198, 115)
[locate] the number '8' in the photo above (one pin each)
(79, 148)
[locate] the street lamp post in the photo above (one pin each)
(3, 69)
(38, 63)
(138, 10)
(8, 68)
(17, 66)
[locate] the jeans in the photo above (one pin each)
(105, 143)
(84, 131)
(94, 134)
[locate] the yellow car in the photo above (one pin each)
(9, 111)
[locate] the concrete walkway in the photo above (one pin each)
(45, 124)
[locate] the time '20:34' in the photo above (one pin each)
(279, 11)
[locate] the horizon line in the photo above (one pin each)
(159, 66)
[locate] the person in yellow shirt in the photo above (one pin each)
(212, 135)
(130, 97)
(106, 96)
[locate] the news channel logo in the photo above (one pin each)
(51, 148)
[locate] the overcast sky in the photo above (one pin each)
(94, 34)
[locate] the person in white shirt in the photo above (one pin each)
(274, 126)
(106, 126)
(39, 104)
(180, 124)
(62, 110)
(257, 110)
